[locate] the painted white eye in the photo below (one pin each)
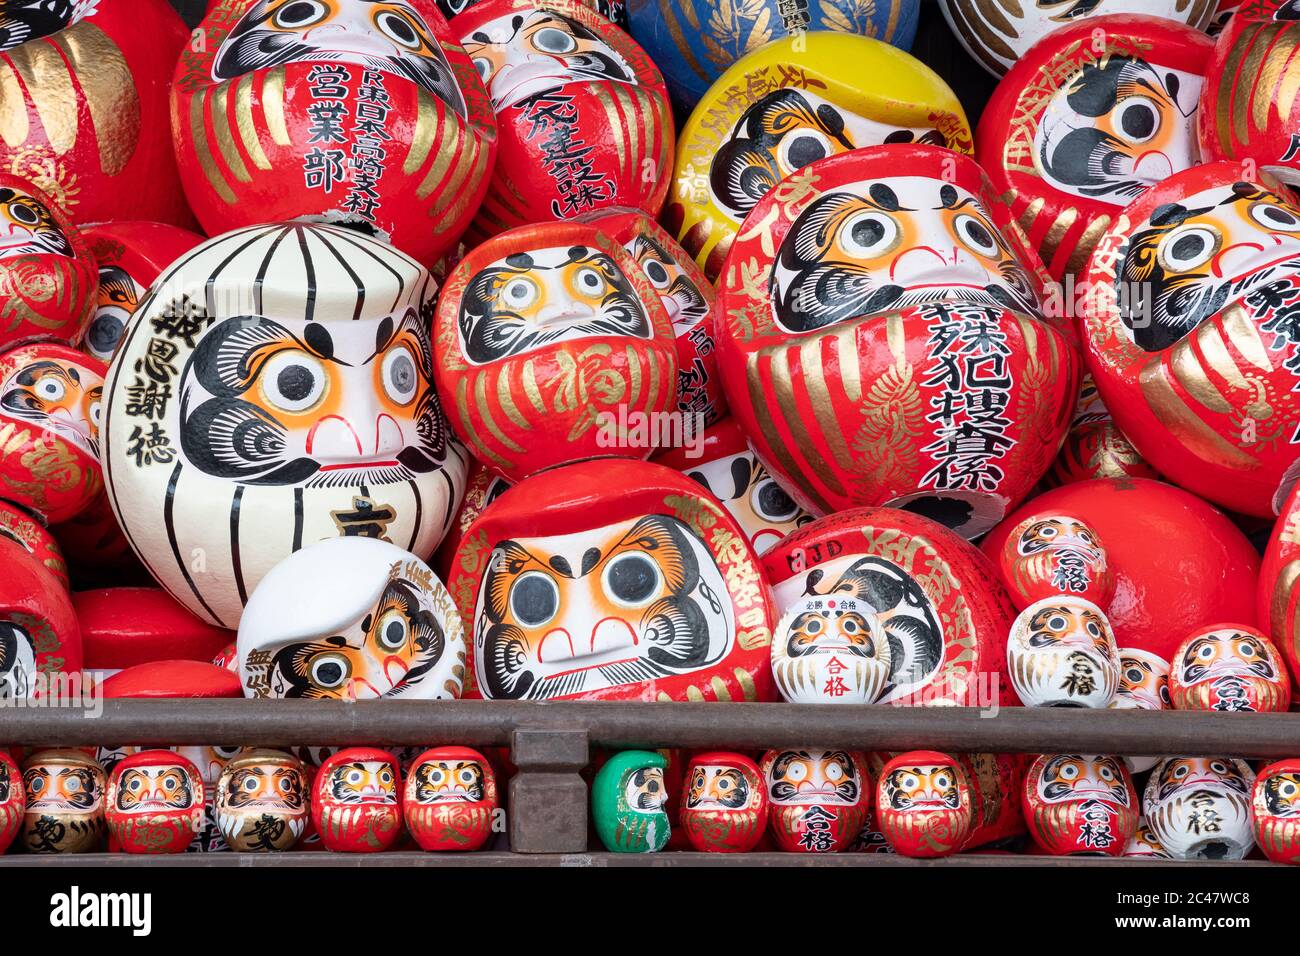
(802, 147)
(1181, 771)
(869, 234)
(797, 771)
(1246, 649)
(1274, 218)
(1048, 532)
(300, 14)
(391, 634)
(631, 580)
(554, 41)
(1106, 773)
(834, 772)
(386, 775)
(1137, 119)
(975, 235)
(484, 67)
(1093, 629)
(1069, 771)
(1057, 623)
(1188, 247)
(355, 777)
(534, 599)
(96, 410)
(36, 785)
(590, 282)
(250, 784)
(519, 293)
(329, 671)
(1133, 675)
(398, 29)
(436, 775)
(771, 503)
(657, 273)
(135, 785)
(941, 781)
(467, 775)
(1219, 768)
(293, 381)
(1287, 789)
(1205, 651)
(910, 782)
(24, 214)
(400, 376)
(51, 389)
(285, 784)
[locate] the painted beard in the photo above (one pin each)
(618, 605)
(279, 402)
(843, 257)
(1061, 653)
(530, 300)
(395, 41)
(17, 662)
(837, 655)
(1143, 105)
(27, 227)
(522, 56)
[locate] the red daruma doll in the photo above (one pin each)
(819, 798)
(356, 804)
(923, 804)
(451, 797)
(13, 800)
(1229, 667)
(1080, 804)
(1276, 799)
(724, 803)
(155, 802)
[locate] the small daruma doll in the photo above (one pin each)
(40, 636)
(923, 804)
(1276, 805)
(1062, 653)
(866, 368)
(46, 270)
(1143, 685)
(724, 803)
(1199, 807)
(349, 111)
(356, 801)
(818, 799)
(65, 802)
(548, 339)
(581, 111)
(275, 389)
(155, 802)
(1229, 667)
(628, 798)
(351, 619)
(51, 400)
(1080, 804)
(450, 799)
(830, 650)
(1053, 554)
(13, 800)
(262, 801)
(1189, 332)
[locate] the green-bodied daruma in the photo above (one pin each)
(627, 802)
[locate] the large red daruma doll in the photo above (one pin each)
(1191, 333)
(344, 111)
(881, 340)
(549, 343)
(1093, 114)
(1278, 599)
(582, 112)
(613, 580)
(83, 105)
(47, 274)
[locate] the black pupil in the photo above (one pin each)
(805, 150)
(23, 214)
(656, 272)
(552, 40)
(979, 235)
(393, 632)
(775, 503)
(1279, 216)
(400, 28)
(403, 374)
(329, 672)
(296, 13)
(534, 600)
(632, 579)
(1138, 121)
(1187, 247)
(868, 232)
(295, 382)
(105, 332)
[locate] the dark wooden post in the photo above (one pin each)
(548, 798)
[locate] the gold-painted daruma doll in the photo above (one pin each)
(65, 802)
(262, 801)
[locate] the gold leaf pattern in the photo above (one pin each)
(850, 16)
(734, 28)
(893, 416)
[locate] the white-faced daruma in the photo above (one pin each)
(273, 389)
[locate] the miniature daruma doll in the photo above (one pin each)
(581, 111)
(627, 802)
(155, 802)
(262, 801)
(1080, 804)
(1050, 554)
(356, 801)
(450, 799)
(347, 112)
(861, 363)
(1200, 807)
(65, 802)
(724, 803)
(1062, 653)
(1229, 667)
(275, 389)
(831, 649)
(1276, 805)
(351, 619)
(1188, 332)
(549, 339)
(818, 798)
(923, 804)
(13, 800)
(51, 399)
(40, 637)
(1143, 685)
